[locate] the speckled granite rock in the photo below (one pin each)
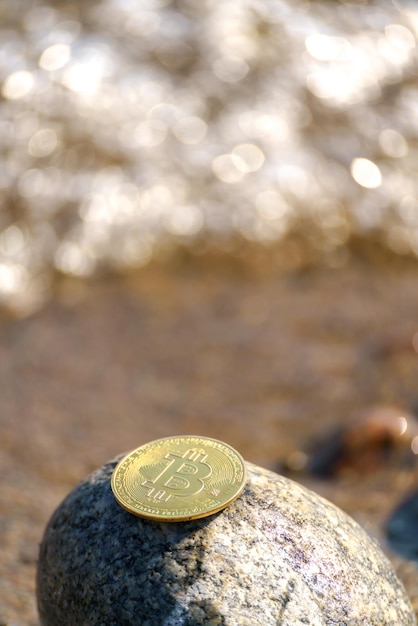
(279, 555)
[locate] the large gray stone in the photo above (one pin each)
(279, 555)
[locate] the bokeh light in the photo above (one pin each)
(366, 173)
(125, 127)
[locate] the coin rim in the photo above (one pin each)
(162, 518)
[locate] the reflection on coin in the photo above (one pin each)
(179, 478)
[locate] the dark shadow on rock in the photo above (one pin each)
(117, 588)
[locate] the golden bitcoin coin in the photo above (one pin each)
(179, 478)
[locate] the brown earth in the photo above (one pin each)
(263, 359)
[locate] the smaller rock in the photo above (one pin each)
(278, 556)
(375, 437)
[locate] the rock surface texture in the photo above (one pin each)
(279, 555)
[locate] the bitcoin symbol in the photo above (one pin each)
(176, 479)
(183, 476)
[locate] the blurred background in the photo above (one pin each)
(208, 225)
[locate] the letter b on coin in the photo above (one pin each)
(183, 476)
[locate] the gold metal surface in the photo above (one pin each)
(179, 478)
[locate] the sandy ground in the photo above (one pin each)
(263, 359)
